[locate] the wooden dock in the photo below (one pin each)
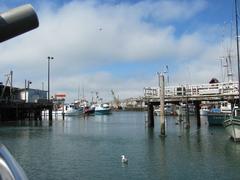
(17, 110)
(13, 107)
(195, 94)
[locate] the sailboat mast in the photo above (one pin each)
(236, 12)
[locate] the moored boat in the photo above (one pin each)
(102, 108)
(216, 118)
(70, 110)
(89, 110)
(66, 110)
(204, 110)
(232, 125)
(168, 109)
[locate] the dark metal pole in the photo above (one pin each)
(236, 11)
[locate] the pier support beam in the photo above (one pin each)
(197, 106)
(50, 114)
(187, 116)
(150, 116)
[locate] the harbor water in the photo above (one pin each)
(90, 148)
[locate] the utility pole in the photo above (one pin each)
(49, 58)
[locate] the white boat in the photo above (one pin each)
(102, 108)
(181, 110)
(232, 125)
(226, 107)
(204, 111)
(168, 110)
(216, 115)
(66, 110)
(70, 110)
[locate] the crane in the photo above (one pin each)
(116, 102)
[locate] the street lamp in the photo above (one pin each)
(49, 58)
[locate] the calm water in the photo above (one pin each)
(90, 148)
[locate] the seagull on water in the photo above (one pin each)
(124, 159)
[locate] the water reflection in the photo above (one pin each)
(90, 148)
(101, 118)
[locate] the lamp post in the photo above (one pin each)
(49, 58)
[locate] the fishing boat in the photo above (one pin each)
(168, 109)
(69, 110)
(216, 118)
(216, 115)
(66, 110)
(204, 110)
(232, 124)
(102, 108)
(89, 110)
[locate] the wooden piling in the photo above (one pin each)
(162, 112)
(50, 114)
(187, 116)
(197, 106)
(150, 116)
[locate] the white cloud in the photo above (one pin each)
(82, 35)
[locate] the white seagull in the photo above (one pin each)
(124, 159)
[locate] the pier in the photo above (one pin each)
(227, 91)
(19, 104)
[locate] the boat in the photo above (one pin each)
(85, 106)
(216, 118)
(232, 124)
(168, 110)
(102, 108)
(69, 110)
(89, 110)
(10, 169)
(184, 109)
(226, 107)
(204, 110)
(66, 110)
(216, 115)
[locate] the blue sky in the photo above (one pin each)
(101, 45)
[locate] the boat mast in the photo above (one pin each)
(236, 12)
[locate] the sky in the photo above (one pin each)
(101, 45)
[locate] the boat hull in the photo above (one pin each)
(88, 111)
(203, 112)
(216, 119)
(72, 112)
(232, 126)
(102, 112)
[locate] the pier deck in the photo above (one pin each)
(195, 93)
(18, 110)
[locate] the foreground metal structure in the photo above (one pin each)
(17, 21)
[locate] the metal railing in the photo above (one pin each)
(225, 88)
